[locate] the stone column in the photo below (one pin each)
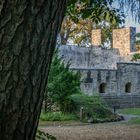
(124, 40)
(96, 37)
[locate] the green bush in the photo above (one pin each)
(57, 116)
(101, 112)
(136, 56)
(88, 102)
(40, 135)
(92, 106)
(62, 82)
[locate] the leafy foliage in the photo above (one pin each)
(93, 106)
(138, 39)
(136, 56)
(80, 33)
(138, 35)
(62, 83)
(57, 116)
(40, 135)
(83, 16)
(94, 9)
(88, 102)
(131, 5)
(97, 8)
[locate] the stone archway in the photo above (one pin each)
(102, 88)
(128, 87)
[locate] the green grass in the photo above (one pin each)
(57, 116)
(135, 121)
(131, 111)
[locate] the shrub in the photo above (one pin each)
(92, 106)
(88, 102)
(40, 135)
(136, 56)
(57, 116)
(62, 82)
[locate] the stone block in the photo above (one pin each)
(96, 37)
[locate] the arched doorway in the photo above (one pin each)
(102, 88)
(128, 87)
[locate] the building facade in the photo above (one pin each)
(108, 72)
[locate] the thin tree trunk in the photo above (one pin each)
(28, 31)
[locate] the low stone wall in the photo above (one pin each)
(122, 101)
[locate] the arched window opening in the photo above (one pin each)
(102, 88)
(88, 78)
(128, 88)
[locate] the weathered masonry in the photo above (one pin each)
(108, 72)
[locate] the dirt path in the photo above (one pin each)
(129, 117)
(105, 131)
(96, 132)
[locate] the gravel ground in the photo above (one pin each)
(105, 131)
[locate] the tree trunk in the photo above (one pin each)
(28, 31)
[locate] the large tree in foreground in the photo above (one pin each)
(28, 31)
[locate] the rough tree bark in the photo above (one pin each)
(28, 31)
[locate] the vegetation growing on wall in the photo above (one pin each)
(136, 57)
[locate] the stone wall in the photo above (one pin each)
(93, 78)
(115, 92)
(90, 57)
(115, 80)
(107, 72)
(128, 73)
(97, 57)
(122, 101)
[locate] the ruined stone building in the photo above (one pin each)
(111, 73)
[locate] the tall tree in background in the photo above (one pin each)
(80, 33)
(77, 25)
(28, 31)
(131, 6)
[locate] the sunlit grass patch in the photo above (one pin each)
(135, 121)
(130, 111)
(57, 116)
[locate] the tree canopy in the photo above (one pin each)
(130, 5)
(82, 16)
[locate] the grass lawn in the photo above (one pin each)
(57, 116)
(135, 121)
(130, 111)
